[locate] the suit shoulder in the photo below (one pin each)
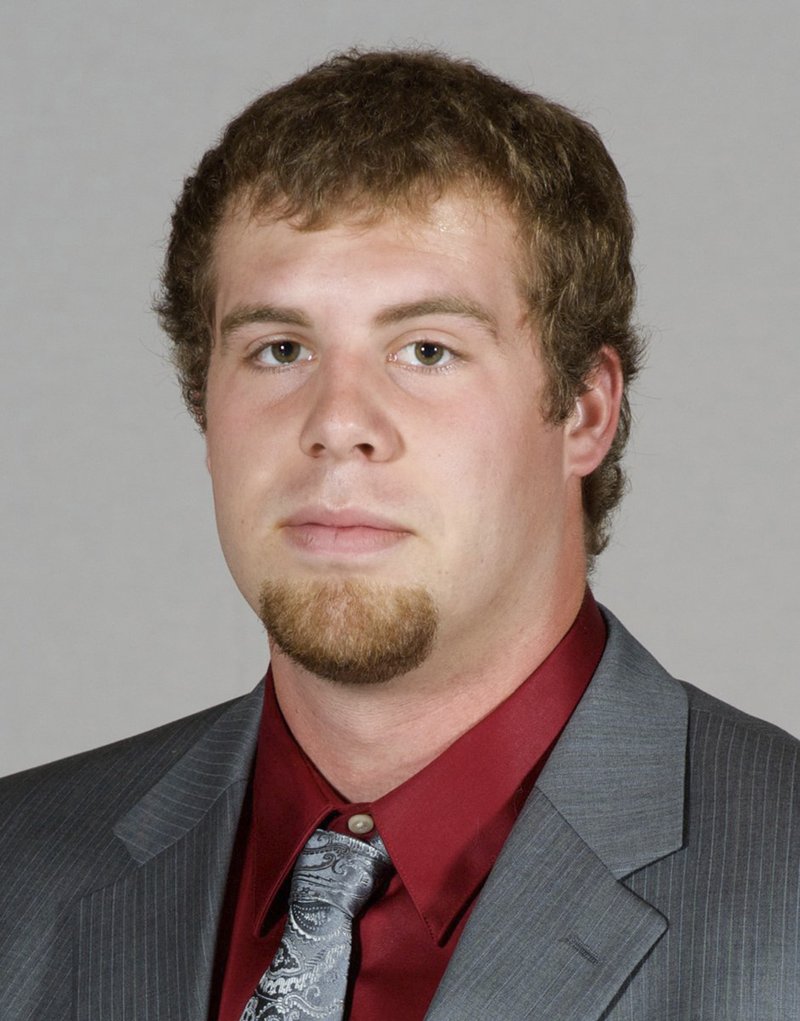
(88, 789)
(711, 711)
(73, 827)
(740, 761)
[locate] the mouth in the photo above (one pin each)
(348, 532)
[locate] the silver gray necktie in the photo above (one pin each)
(334, 877)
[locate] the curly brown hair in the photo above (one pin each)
(372, 132)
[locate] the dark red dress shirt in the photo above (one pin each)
(443, 828)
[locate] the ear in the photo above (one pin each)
(590, 429)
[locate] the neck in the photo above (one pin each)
(368, 739)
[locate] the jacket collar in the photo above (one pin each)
(145, 943)
(555, 933)
(617, 773)
(184, 795)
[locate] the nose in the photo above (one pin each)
(348, 416)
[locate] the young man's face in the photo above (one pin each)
(382, 471)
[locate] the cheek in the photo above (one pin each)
(503, 443)
(232, 433)
(513, 478)
(233, 463)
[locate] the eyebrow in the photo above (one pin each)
(445, 304)
(246, 314)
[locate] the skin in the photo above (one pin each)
(437, 459)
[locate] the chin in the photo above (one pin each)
(350, 631)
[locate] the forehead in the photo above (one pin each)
(454, 234)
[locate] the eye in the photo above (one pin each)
(425, 353)
(282, 352)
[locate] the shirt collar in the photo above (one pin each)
(445, 826)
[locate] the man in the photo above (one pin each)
(399, 292)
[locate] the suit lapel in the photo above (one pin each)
(145, 943)
(555, 934)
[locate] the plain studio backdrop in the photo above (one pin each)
(117, 610)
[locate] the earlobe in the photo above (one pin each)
(593, 423)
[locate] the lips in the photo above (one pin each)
(351, 517)
(350, 531)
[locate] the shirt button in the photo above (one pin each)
(360, 823)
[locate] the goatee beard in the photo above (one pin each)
(352, 632)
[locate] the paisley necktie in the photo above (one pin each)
(333, 879)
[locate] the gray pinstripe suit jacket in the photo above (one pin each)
(653, 873)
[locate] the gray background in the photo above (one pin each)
(117, 610)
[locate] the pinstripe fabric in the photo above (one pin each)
(709, 855)
(128, 933)
(731, 893)
(90, 919)
(554, 933)
(615, 898)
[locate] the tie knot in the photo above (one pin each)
(338, 870)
